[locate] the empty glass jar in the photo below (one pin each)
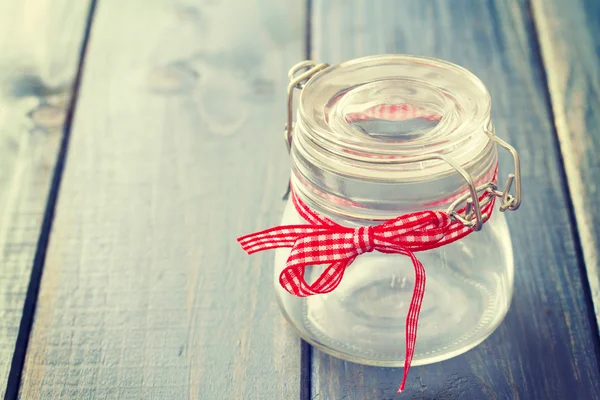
(376, 138)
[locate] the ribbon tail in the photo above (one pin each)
(276, 237)
(412, 319)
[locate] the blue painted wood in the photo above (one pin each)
(145, 293)
(40, 43)
(569, 34)
(547, 346)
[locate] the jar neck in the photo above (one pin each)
(342, 200)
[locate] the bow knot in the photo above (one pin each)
(364, 239)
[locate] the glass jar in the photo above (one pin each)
(384, 136)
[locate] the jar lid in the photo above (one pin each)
(366, 127)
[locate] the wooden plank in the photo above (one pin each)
(547, 346)
(569, 35)
(40, 44)
(146, 293)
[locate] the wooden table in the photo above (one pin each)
(129, 134)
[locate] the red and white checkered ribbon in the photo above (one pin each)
(323, 241)
(393, 112)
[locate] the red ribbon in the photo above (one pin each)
(323, 241)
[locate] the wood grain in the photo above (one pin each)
(569, 35)
(175, 151)
(547, 346)
(40, 44)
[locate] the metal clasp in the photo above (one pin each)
(307, 70)
(509, 201)
(310, 68)
(472, 216)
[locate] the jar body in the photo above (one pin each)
(381, 137)
(467, 294)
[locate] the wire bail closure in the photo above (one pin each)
(471, 216)
(297, 82)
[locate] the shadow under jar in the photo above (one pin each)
(358, 126)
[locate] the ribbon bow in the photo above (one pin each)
(323, 241)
